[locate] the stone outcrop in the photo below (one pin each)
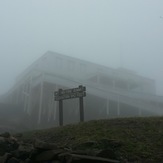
(14, 151)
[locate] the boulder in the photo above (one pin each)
(48, 155)
(14, 151)
(5, 157)
(24, 151)
(5, 134)
(70, 158)
(45, 146)
(13, 160)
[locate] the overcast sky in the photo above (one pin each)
(115, 33)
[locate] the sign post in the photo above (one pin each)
(61, 95)
(60, 110)
(81, 109)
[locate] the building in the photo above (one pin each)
(110, 92)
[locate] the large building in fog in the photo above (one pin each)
(110, 92)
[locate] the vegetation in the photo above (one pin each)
(137, 139)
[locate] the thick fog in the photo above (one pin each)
(124, 33)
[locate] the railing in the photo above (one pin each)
(133, 99)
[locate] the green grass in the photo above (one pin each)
(141, 139)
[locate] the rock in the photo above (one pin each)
(25, 148)
(8, 137)
(23, 151)
(5, 134)
(65, 157)
(43, 145)
(109, 143)
(107, 153)
(13, 160)
(85, 145)
(43, 152)
(48, 155)
(7, 143)
(57, 161)
(2, 139)
(109, 148)
(28, 161)
(18, 135)
(5, 157)
(84, 158)
(6, 146)
(90, 152)
(12, 139)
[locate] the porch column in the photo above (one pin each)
(118, 107)
(107, 107)
(40, 102)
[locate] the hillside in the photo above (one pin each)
(124, 139)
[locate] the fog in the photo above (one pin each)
(113, 33)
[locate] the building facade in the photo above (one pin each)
(110, 92)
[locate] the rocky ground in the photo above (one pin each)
(13, 150)
(117, 140)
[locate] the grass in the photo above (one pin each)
(141, 139)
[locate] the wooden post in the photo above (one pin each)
(81, 109)
(60, 109)
(107, 107)
(40, 102)
(61, 112)
(118, 106)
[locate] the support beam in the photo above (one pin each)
(81, 109)
(107, 107)
(55, 111)
(55, 104)
(139, 111)
(61, 112)
(118, 107)
(40, 103)
(29, 97)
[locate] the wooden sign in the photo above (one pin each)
(70, 93)
(61, 95)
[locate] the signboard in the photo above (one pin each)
(61, 95)
(70, 93)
